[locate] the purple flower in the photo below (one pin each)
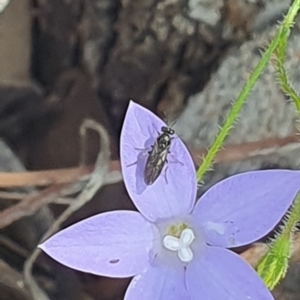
(177, 250)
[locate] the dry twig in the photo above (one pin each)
(29, 205)
(95, 182)
(232, 153)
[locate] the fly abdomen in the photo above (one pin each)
(157, 157)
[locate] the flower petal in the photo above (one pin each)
(158, 283)
(218, 273)
(173, 193)
(114, 244)
(243, 208)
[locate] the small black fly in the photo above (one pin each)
(157, 157)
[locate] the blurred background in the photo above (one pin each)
(63, 61)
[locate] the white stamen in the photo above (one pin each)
(171, 243)
(187, 237)
(181, 245)
(185, 254)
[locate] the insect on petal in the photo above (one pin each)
(173, 193)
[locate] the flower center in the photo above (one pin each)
(180, 244)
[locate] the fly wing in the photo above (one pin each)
(155, 163)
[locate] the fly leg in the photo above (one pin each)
(165, 175)
(174, 160)
(143, 152)
(165, 171)
(132, 164)
(153, 131)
